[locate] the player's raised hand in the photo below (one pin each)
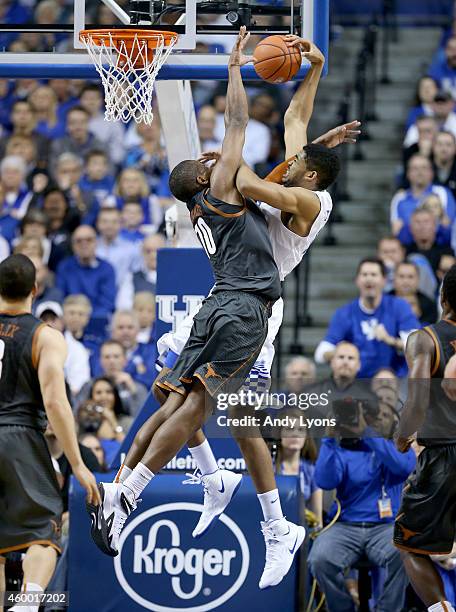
(309, 51)
(237, 57)
(342, 134)
(209, 156)
(87, 480)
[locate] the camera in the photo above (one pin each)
(346, 411)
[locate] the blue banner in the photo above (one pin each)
(184, 278)
(160, 566)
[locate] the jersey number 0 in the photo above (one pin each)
(203, 231)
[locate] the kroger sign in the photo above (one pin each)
(182, 574)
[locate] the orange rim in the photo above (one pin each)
(152, 37)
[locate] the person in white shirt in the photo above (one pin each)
(4, 248)
(123, 255)
(145, 278)
(77, 368)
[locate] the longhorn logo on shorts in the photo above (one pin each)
(162, 569)
(210, 372)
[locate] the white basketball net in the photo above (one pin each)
(128, 71)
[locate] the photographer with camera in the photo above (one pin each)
(100, 415)
(368, 474)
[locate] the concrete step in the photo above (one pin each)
(361, 235)
(362, 170)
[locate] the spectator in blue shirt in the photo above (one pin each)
(368, 474)
(97, 182)
(141, 358)
(426, 91)
(87, 274)
(150, 156)
(132, 184)
(444, 71)
(44, 102)
(404, 203)
(132, 218)
(9, 225)
(78, 139)
(377, 324)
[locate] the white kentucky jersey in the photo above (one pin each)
(288, 247)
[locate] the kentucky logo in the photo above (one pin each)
(168, 313)
(368, 328)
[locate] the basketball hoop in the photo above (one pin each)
(128, 62)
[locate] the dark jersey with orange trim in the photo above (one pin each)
(236, 240)
(21, 402)
(439, 427)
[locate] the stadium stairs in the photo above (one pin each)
(370, 182)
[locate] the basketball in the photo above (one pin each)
(275, 61)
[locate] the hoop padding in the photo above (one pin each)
(128, 62)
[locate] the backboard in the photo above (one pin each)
(206, 31)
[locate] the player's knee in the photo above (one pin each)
(159, 394)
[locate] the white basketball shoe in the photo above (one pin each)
(219, 489)
(283, 539)
(108, 519)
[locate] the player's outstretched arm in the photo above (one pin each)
(346, 133)
(236, 119)
(51, 356)
(299, 112)
(294, 200)
(419, 354)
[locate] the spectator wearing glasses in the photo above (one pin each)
(87, 274)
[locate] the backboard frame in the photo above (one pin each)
(181, 65)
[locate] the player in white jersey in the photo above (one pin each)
(291, 235)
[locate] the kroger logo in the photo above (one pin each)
(162, 568)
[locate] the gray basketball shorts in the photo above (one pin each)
(225, 341)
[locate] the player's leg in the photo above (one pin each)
(118, 502)
(198, 445)
(145, 434)
(426, 523)
(282, 538)
(29, 490)
(38, 567)
(426, 581)
(177, 430)
(2, 579)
